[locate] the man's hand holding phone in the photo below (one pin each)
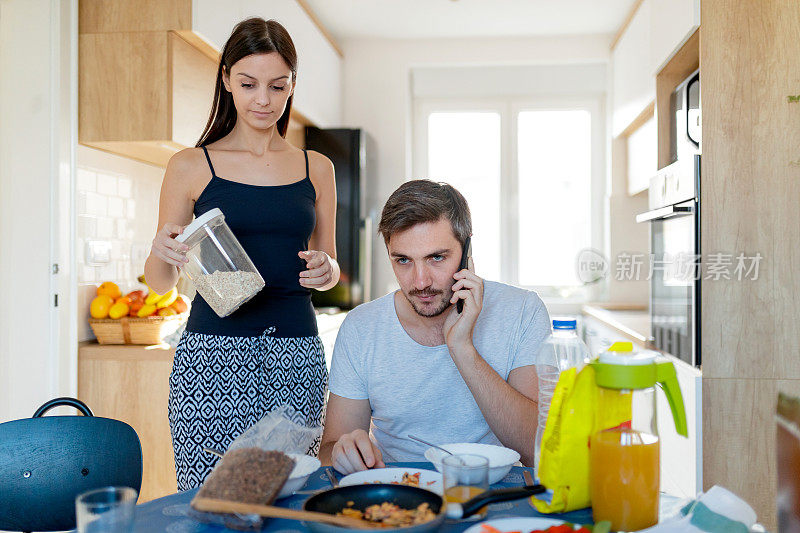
(354, 452)
(468, 297)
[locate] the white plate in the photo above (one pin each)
(428, 479)
(517, 524)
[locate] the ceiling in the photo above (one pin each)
(421, 19)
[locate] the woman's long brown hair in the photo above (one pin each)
(251, 36)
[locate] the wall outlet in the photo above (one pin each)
(98, 252)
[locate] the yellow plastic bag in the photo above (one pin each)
(577, 408)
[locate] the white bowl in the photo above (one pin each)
(500, 459)
(304, 466)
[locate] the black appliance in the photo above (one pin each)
(675, 253)
(685, 119)
(674, 217)
(349, 151)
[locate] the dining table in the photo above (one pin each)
(172, 513)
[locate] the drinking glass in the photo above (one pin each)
(106, 510)
(464, 477)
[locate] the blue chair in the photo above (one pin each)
(45, 462)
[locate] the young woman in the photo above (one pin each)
(280, 202)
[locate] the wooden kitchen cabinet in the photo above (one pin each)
(655, 34)
(131, 384)
(672, 22)
(642, 158)
(749, 193)
(633, 81)
(145, 95)
(113, 16)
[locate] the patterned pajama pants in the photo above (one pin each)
(220, 386)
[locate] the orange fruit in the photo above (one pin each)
(109, 288)
(123, 299)
(100, 306)
(167, 311)
(180, 305)
(118, 310)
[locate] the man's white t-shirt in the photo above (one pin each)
(416, 389)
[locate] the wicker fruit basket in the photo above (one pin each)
(131, 330)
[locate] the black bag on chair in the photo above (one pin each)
(45, 462)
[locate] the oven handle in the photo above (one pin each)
(665, 212)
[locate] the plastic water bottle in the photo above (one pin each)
(561, 350)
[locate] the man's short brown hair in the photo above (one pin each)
(422, 201)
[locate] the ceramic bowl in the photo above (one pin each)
(500, 459)
(304, 466)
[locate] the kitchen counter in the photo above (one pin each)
(125, 352)
(131, 383)
(630, 321)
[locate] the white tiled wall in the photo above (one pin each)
(117, 204)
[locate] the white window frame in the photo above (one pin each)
(509, 109)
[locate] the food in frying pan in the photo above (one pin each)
(390, 515)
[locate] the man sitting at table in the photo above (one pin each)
(409, 363)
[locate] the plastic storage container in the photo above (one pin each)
(561, 350)
(218, 266)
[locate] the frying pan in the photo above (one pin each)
(334, 500)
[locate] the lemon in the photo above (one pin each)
(100, 306)
(146, 310)
(118, 310)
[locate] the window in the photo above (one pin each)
(531, 174)
(554, 183)
(464, 151)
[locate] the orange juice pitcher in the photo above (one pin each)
(624, 460)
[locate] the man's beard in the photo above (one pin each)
(444, 303)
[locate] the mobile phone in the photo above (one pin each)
(466, 252)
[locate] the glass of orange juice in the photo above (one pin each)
(464, 477)
(625, 478)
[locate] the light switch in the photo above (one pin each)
(98, 252)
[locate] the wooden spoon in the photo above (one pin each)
(224, 506)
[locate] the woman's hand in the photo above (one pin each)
(166, 248)
(319, 269)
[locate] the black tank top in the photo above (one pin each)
(272, 223)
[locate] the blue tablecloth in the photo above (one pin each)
(170, 512)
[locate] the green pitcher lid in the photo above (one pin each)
(621, 368)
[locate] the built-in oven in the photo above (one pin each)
(674, 218)
(675, 273)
